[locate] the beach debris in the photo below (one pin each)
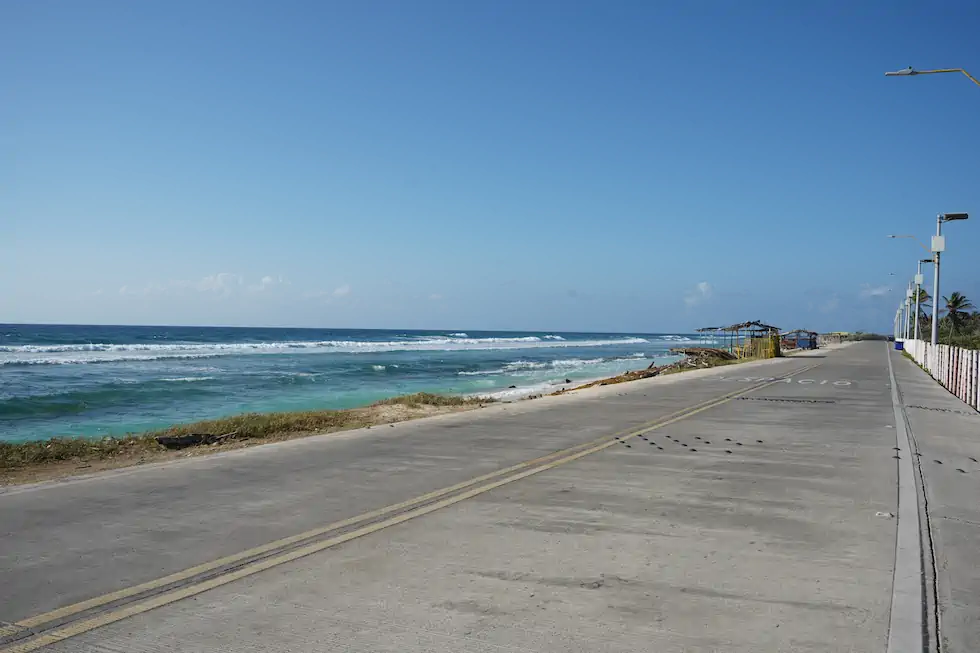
(699, 357)
(694, 358)
(193, 439)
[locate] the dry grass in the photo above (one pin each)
(249, 426)
(20, 454)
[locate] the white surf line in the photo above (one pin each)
(906, 632)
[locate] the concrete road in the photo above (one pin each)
(760, 521)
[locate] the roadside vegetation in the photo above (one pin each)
(857, 336)
(959, 321)
(237, 429)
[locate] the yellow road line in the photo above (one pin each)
(255, 567)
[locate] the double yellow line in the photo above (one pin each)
(201, 578)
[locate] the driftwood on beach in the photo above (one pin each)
(695, 357)
(703, 356)
(193, 439)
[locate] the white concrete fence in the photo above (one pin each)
(956, 369)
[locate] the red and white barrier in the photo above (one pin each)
(955, 368)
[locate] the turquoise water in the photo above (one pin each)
(111, 380)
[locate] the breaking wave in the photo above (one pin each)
(61, 354)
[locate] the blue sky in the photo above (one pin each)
(625, 166)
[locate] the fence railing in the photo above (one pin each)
(956, 369)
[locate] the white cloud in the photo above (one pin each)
(700, 293)
(435, 296)
(267, 282)
(222, 283)
(867, 290)
(342, 291)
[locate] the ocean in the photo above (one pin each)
(94, 381)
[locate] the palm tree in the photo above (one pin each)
(957, 307)
(924, 299)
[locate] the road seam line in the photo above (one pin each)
(255, 566)
(906, 627)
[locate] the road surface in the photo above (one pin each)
(751, 508)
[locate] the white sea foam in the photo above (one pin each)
(378, 368)
(511, 394)
(579, 362)
(683, 340)
(481, 372)
(81, 359)
(103, 352)
(460, 335)
(187, 379)
(523, 367)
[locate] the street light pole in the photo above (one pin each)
(918, 293)
(908, 312)
(938, 245)
(905, 316)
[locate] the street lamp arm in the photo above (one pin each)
(911, 71)
(951, 70)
